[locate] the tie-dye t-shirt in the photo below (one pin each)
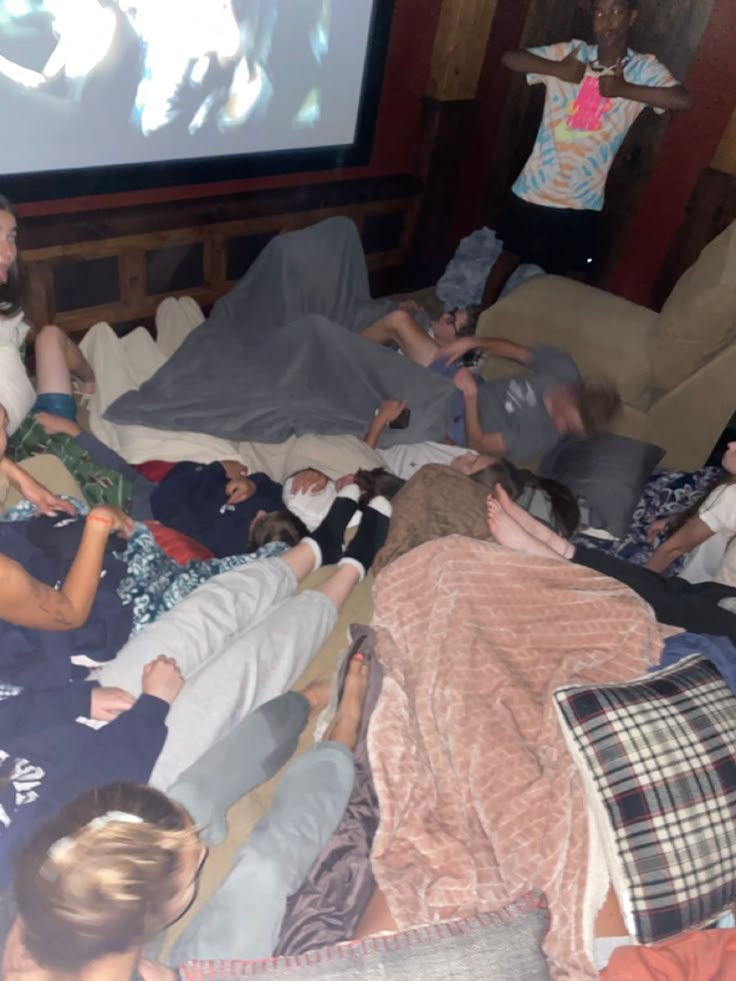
(581, 132)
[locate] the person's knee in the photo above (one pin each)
(50, 334)
(398, 323)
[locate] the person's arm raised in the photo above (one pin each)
(569, 69)
(496, 347)
(27, 602)
(668, 98)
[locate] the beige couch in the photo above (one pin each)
(676, 370)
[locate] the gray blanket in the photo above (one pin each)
(281, 354)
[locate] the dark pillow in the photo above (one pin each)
(608, 470)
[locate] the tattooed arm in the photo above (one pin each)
(29, 603)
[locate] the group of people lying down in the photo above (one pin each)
(96, 860)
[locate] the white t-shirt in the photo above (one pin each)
(715, 559)
(16, 391)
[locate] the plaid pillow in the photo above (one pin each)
(658, 762)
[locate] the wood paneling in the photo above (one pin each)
(459, 48)
(725, 158)
(145, 253)
(688, 148)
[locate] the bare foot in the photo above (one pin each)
(507, 532)
(345, 725)
(317, 693)
(529, 523)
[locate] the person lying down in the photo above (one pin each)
(248, 625)
(70, 923)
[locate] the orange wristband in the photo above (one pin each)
(98, 517)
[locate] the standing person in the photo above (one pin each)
(595, 92)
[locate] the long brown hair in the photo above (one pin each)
(11, 292)
(87, 888)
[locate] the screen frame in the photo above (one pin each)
(89, 181)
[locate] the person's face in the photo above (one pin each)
(450, 325)
(728, 460)
(8, 245)
(612, 21)
(564, 411)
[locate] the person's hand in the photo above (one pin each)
(117, 521)
(239, 489)
(41, 498)
(571, 68)
(613, 85)
(389, 410)
(456, 349)
(52, 424)
(153, 971)
(656, 528)
(466, 381)
(348, 478)
(162, 678)
(308, 482)
(108, 703)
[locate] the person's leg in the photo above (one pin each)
(58, 359)
(501, 271)
(253, 752)
(243, 918)
(399, 327)
(263, 661)
(205, 622)
(675, 601)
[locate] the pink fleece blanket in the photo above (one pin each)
(479, 798)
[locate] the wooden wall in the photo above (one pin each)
(117, 265)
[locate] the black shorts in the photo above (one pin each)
(559, 240)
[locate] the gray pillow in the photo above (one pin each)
(608, 470)
(492, 946)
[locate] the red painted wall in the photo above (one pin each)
(688, 148)
(413, 31)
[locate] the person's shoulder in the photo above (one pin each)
(646, 67)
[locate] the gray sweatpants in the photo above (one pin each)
(243, 918)
(240, 639)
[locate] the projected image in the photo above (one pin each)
(85, 83)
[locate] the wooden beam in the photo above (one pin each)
(725, 158)
(459, 49)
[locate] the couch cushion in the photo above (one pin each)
(608, 470)
(658, 761)
(699, 318)
(605, 334)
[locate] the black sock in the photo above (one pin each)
(328, 536)
(371, 534)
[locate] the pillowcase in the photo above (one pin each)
(176, 545)
(492, 946)
(608, 470)
(658, 761)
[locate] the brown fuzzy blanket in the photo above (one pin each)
(437, 501)
(479, 798)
